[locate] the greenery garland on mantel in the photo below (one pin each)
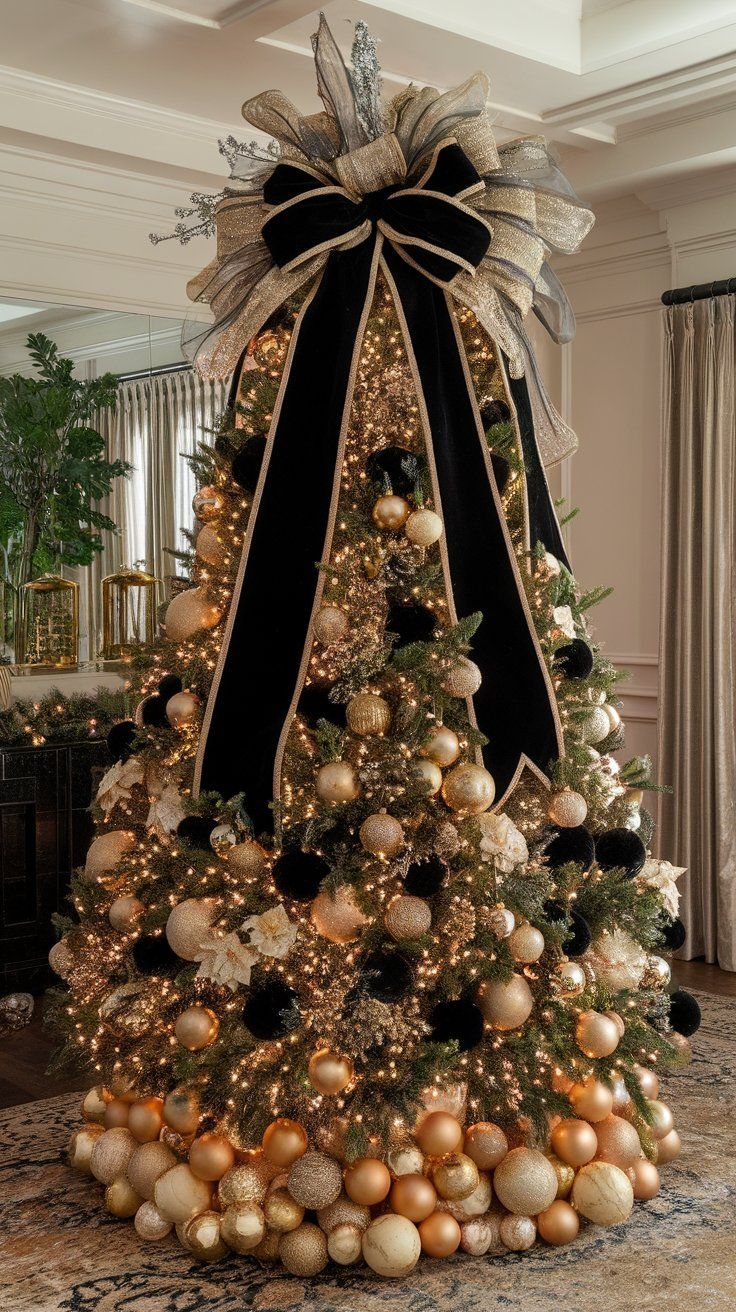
(58, 718)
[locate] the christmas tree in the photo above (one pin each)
(365, 957)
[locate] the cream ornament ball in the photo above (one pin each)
(79, 1152)
(196, 1028)
(181, 709)
(178, 1194)
(381, 834)
(424, 528)
(390, 512)
(406, 1160)
(330, 625)
(525, 1182)
(345, 1244)
(463, 680)
(368, 714)
(149, 1223)
(337, 783)
(505, 1005)
(111, 1154)
(614, 719)
(442, 746)
(147, 1164)
(392, 1246)
(596, 726)
(603, 1193)
(243, 1226)
(469, 789)
(526, 944)
(107, 851)
(568, 809)
(94, 1103)
(190, 612)
(337, 917)
(209, 547)
(189, 925)
(407, 917)
(125, 912)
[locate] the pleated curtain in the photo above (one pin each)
(697, 720)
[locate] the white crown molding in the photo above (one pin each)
(710, 75)
(225, 15)
(690, 189)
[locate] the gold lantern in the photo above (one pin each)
(48, 633)
(128, 612)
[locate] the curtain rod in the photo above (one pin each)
(699, 292)
(158, 372)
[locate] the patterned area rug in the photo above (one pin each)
(60, 1252)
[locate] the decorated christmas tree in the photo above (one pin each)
(365, 960)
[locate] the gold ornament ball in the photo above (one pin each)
(568, 809)
(390, 512)
(79, 1152)
(591, 1100)
(565, 1175)
(468, 789)
(439, 1134)
(207, 504)
(463, 680)
(682, 1046)
(618, 1141)
(405, 1160)
(181, 1111)
(501, 921)
(210, 1156)
(525, 1182)
(558, 1224)
(111, 1153)
(146, 1119)
(648, 1081)
(304, 1251)
(596, 1035)
(456, 1177)
(116, 1113)
(661, 1120)
(148, 1163)
(330, 625)
(413, 1196)
(243, 1226)
(618, 1022)
(569, 979)
(106, 852)
(424, 528)
(281, 1212)
(149, 1223)
(517, 1233)
(181, 708)
(367, 1181)
(621, 1097)
(476, 1204)
(246, 1182)
(178, 1194)
(645, 1179)
(190, 612)
(429, 773)
(94, 1103)
(337, 783)
(121, 1199)
(60, 959)
(486, 1144)
(596, 726)
(268, 1249)
(337, 917)
(668, 1148)
(382, 834)
(315, 1180)
(343, 1212)
(505, 1005)
(189, 924)
(407, 917)
(368, 714)
(391, 1246)
(247, 860)
(574, 1142)
(603, 1193)
(330, 1072)
(478, 1235)
(345, 1244)
(209, 546)
(440, 1235)
(196, 1028)
(203, 1237)
(442, 746)
(526, 943)
(124, 912)
(284, 1141)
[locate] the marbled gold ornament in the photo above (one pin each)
(281, 1211)
(525, 1182)
(569, 979)
(337, 783)
(455, 1177)
(94, 1103)
(243, 1226)
(330, 1072)
(368, 715)
(382, 834)
(407, 917)
(204, 1237)
(565, 1175)
(468, 789)
(79, 1151)
(147, 1164)
(505, 1004)
(407, 1159)
(315, 1180)
(568, 809)
(345, 1244)
(475, 1204)
(603, 1193)
(517, 1232)
(391, 1246)
(480, 1235)
(207, 503)
(429, 773)
(304, 1251)
(442, 746)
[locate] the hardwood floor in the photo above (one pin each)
(24, 1056)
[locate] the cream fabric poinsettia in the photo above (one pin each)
(117, 785)
(562, 616)
(166, 812)
(272, 933)
(664, 876)
(502, 843)
(226, 960)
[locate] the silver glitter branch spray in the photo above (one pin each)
(366, 80)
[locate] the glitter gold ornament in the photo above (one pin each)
(246, 1182)
(463, 680)
(189, 924)
(181, 709)
(60, 959)
(116, 1113)
(124, 912)
(149, 1223)
(487, 1144)
(391, 1246)
(367, 1181)
(181, 1111)
(330, 1072)
(525, 1182)
(390, 512)
(505, 1004)
(94, 1103)
(621, 1097)
(661, 1120)
(210, 547)
(413, 1196)
(79, 1152)
(468, 789)
(330, 625)
(368, 714)
(243, 1226)
(574, 1141)
(337, 783)
(455, 1177)
(106, 852)
(407, 917)
(345, 1244)
(442, 746)
(268, 1249)
(439, 1235)
(343, 1212)
(596, 726)
(315, 1180)
(596, 1035)
(648, 1081)
(336, 916)
(424, 528)
(645, 1179)
(121, 1199)
(559, 1224)
(207, 504)
(526, 944)
(618, 1141)
(196, 1028)
(429, 773)
(190, 612)
(146, 1119)
(381, 834)
(111, 1153)
(210, 1156)
(304, 1251)
(283, 1142)
(603, 1193)
(591, 1100)
(247, 860)
(178, 1194)
(148, 1163)
(281, 1212)
(439, 1134)
(204, 1238)
(565, 1175)
(668, 1148)
(568, 809)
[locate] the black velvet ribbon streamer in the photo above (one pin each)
(423, 240)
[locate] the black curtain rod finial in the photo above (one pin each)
(699, 292)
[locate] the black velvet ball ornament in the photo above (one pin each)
(501, 470)
(574, 660)
(684, 1013)
(120, 740)
(424, 878)
(395, 465)
(247, 463)
(153, 956)
(494, 412)
(573, 845)
(460, 1020)
(315, 704)
(153, 712)
(298, 874)
(673, 934)
(169, 686)
(271, 1011)
(386, 975)
(195, 830)
(620, 849)
(410, 622)
(580, 936)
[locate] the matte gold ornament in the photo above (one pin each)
(178, 1194)
(455, 1177)
(222, 840)
(413, 1196)
(210, 1156)
(243, 1226)
(668, 1148)
(442, 746)
(596, 1035)
(526, 944)
(574, 1141)
(644, 1177)
(569, 979)
(591, 1100)
(517, 1233)
(344, 1211)
(390, 512)
(559, 1224)
(148, 1163)
(283, 1142)
(568, 809)
(337, 783)
(382, 834)
(407, 917)
(149, 1223)
(196, 1028)
(268, 1249)
(94, 1103)
(439, 1134)
(246, 1182)
(367, 1181)
(463, 680)
(79, 1152)
(391, 1246)
(207, 504)
(368, 714)
(336, 916)
(124, 912)
(189, 925)
(596, 726)
(248, 860)
(345, 1244)
(440, 1235)
(505, 1005)
(661, 1119)
(106, 852)
(469, 789)
(181, 1111)
(304, 1251)
(191, 612)
(525, 1182)
(603, 1193)
(330, 625)
(330, 1072)
(281, 1212)
(204, 1238)
(424, 528)
(487, 1144)
(565, 1175)
(121, 1198)
(146, 1119)
(618, 1141)
(315, 1180)
(648, 1081)
(111, 1153)
(210, 547)
(429, 773)
(181, 709)
(116, 1113)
